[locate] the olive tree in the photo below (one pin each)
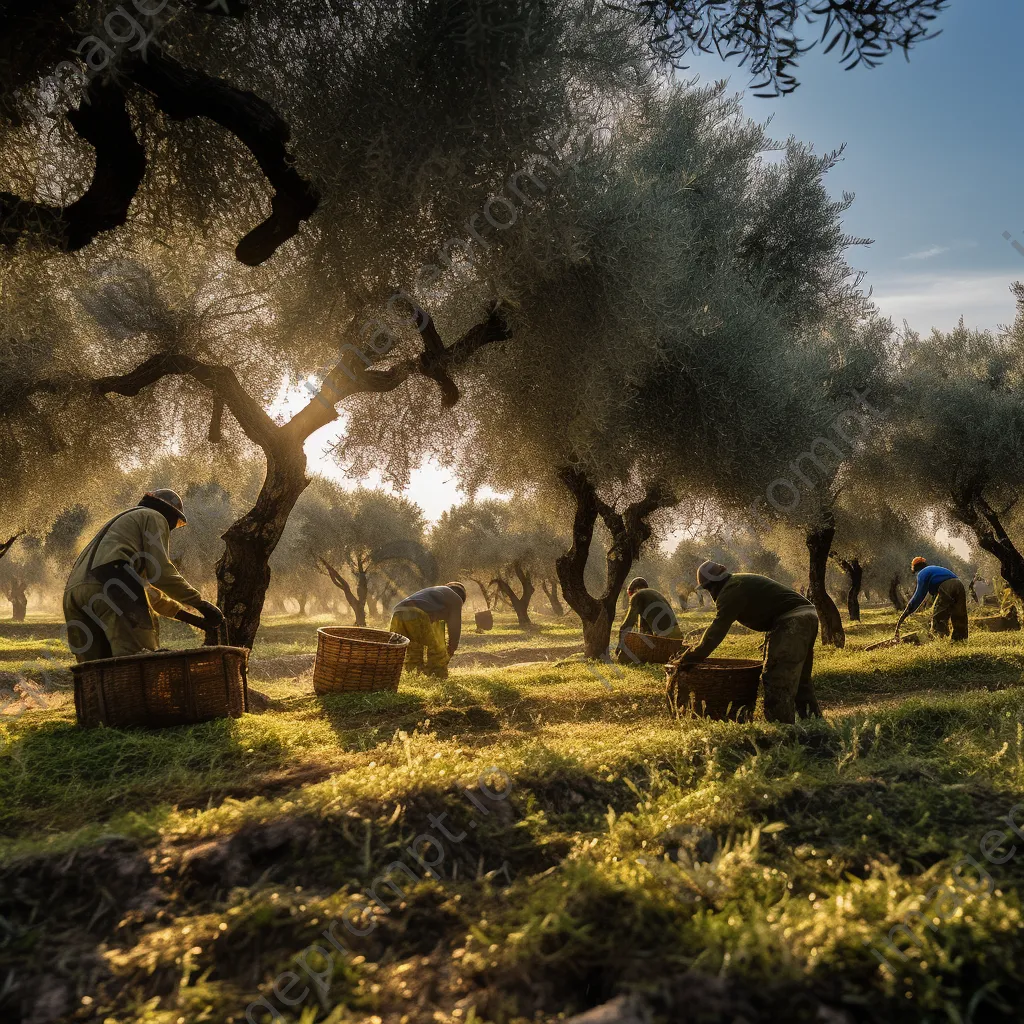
(504, 547)
(159, 115)
(439, 131)
(21, 572)
(676, 297)
(363, 540)
(957, 443)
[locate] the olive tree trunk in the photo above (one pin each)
(243, 571)
(819, 546)
(986, 524)
(356, 598)
(520, 602)
(550, 588)
(629, 530)
(855, 575)
(895, 594)
(19, 600)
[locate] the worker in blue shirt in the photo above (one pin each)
(950, 599)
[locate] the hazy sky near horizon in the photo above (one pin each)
(934, 155)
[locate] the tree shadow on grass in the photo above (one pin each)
(56, 776)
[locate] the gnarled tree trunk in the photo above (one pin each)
(630, 530)
(243, 571)
(855, 574)
(521, 602)
(895, 594)
(19, 600)
(356, 598)
(485, 592)
(819, 546)
(974, 511)
(550, 588)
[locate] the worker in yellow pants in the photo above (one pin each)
(422, 617)
(426, 640)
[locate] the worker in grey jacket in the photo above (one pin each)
(423, 618)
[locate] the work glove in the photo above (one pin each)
(184, 615)
(212, 615)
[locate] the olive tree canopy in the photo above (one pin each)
(956, 445)
(667, 305)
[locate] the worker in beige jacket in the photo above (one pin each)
(124, 578)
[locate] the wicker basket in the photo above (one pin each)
(484, 621)
(163, 688)
(651, 650)
(716, 688)
(354, 658)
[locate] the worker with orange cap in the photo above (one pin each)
(950, 599)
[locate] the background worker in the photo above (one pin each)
(791, 627)
(124, 579)
(950, 599)
(649, 610)
(423, 617)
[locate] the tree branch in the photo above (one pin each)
(221, 380)
(435, 362)
(6, 546)
(183, 93)
(103, 122)
(339, 581)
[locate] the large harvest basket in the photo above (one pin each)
(163, 688)
(651, 650)
(354, 658)
(716, 688)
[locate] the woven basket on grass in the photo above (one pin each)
(715, 688)
(355, 658)
(652, 650)
(163, 688)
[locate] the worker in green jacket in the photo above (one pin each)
(124, 579)
(649, 610)
(791, 627)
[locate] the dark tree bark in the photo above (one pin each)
(8, 544)
(184, 93)
(302, 600)
(520, 602)
(485, 591)
(550, 588)
(18, 597)
(180, 92)
(819, 546)
(974, 511)
(356, 598)
(630, 530)
(896, 594)
(243, 571)
(855, 574)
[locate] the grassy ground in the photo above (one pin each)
(530, 838)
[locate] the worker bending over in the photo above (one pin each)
(950, 599)
(791, 627)
(423, 617)
(649, 610)
(124, 578)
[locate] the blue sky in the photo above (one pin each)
(934, 154)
